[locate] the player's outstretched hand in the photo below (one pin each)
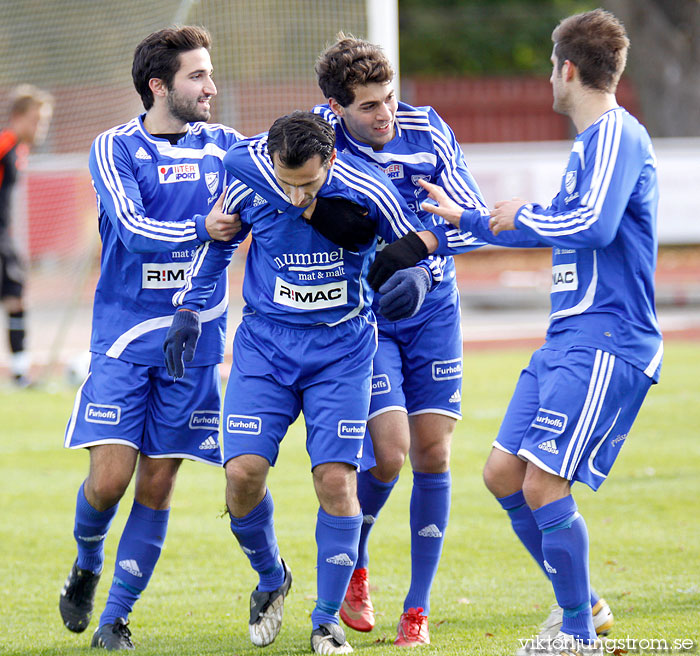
(404, 293)
(343, 222)
(401, 254)
(446, 207)
(220, 225)
(181, 341)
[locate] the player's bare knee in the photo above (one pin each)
(104, 490)
(336, 488)
(388, 467)
(503, 473)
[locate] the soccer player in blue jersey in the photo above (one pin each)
(575, 402)
(306, 342)
(159, 180)
(417, 379)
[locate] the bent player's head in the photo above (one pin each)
(596, 43)
(174, 64)
(301, 146)
(356, 78)
(30, 113)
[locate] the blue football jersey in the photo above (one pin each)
(602, 230)
(423, 147)
(153, 198)
(294, 275)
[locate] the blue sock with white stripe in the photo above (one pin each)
(524, 525)
(430, 510)
(137, 555)
(523, 522)
(90, 530)
(256, 534)
(336, 542)
(372, 494)
(565, 549)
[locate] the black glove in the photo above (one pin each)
(181, 341)
(401, 254)
(404, 293)
(343, 222)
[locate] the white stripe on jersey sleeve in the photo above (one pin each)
(581, 218)
(175, 231)
(372, 188)
(261, 159)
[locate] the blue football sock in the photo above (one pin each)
(336, 541)
(373, 494)
(90, 530)
(430, 510)
(565, 549)
(595, 597)
(524, 525)
(137, 555)
(256, 534)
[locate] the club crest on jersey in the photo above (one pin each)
(393, 171)
(102, 414)
(570, 181)
(206, 419)
(169, 173)
(549, 420)
(212, 181)
(351, 430)
(415, 180)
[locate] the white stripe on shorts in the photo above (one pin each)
(588, 419)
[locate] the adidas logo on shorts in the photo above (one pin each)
(131, 566)
(209, 443)
(456, 397)
(550, 446)
(430, 531)
(340, 559)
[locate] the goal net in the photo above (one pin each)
(263, 53)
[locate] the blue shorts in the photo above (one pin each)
(571, 412)
(279, 371)
(418, 365)
(140, 406)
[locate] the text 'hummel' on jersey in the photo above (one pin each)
(169, 173)
(322, 258)
(163, 275)
(311, 297)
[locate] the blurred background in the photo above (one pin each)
(483, 64)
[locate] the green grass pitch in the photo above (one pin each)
(644, 525)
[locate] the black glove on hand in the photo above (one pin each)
(181, 341)
(343, 222)
(401, 254)
(404, 293)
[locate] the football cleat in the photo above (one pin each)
(357, 610)
(329, 639)
(602, 621)
(78, 598)
(266, 609)
(412, 629)
(113, 637)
